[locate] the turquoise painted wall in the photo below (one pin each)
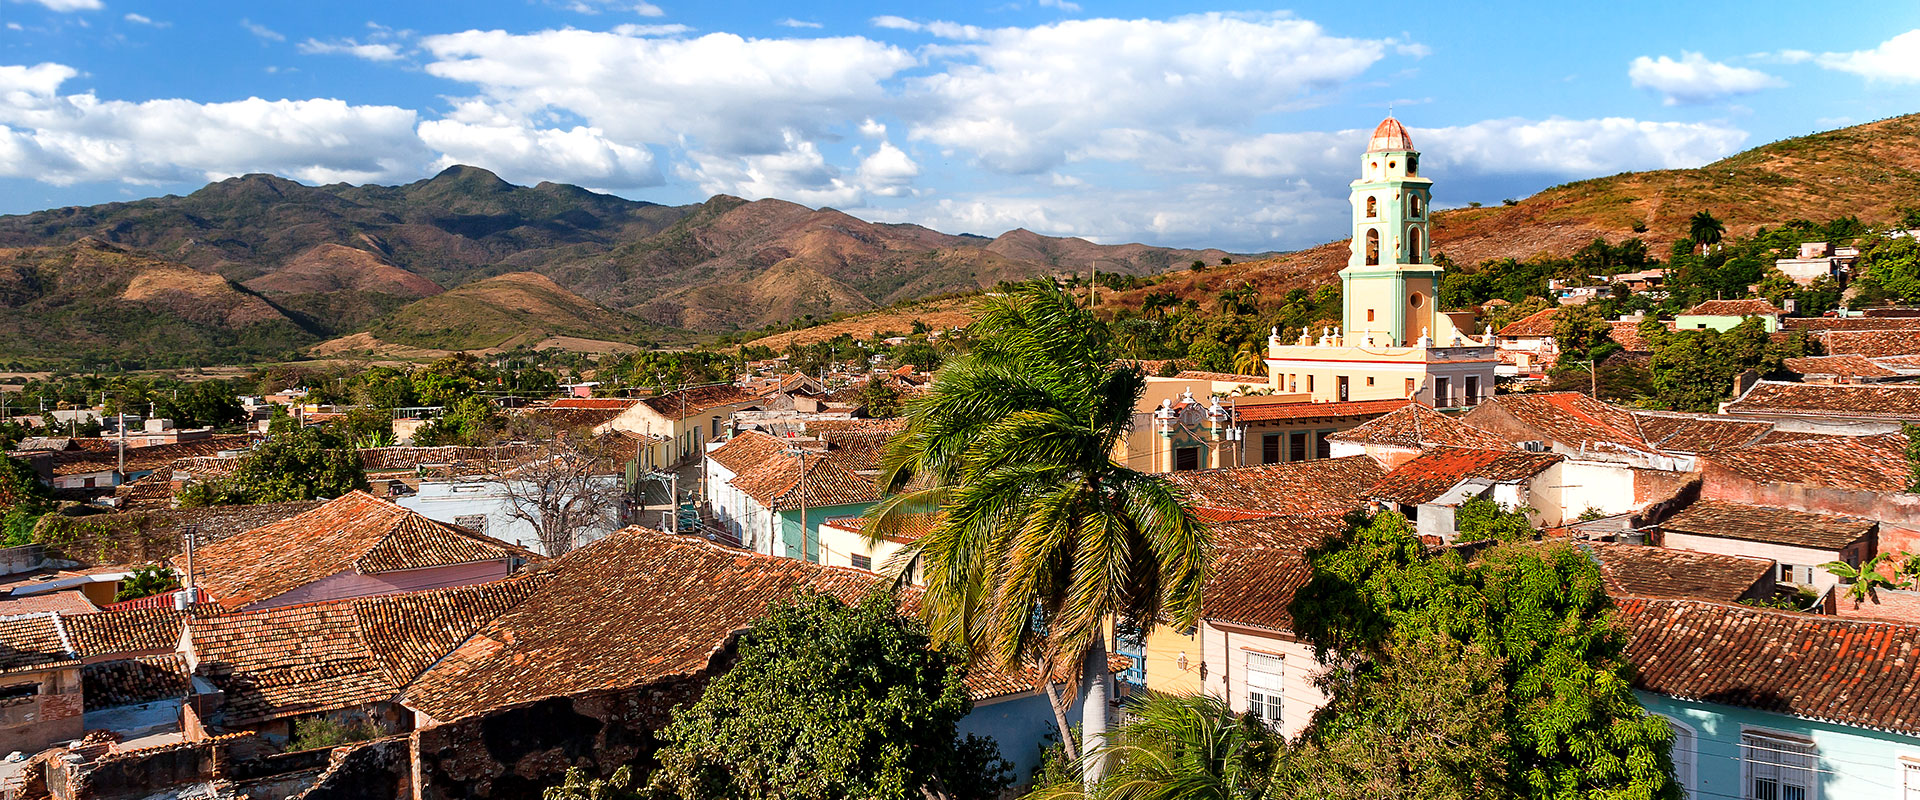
(1854, 763)
(1019, 725)
(790, 526)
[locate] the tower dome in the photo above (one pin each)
(1391, 135)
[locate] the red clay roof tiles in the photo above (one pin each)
(1417, 426)
(1634, 570)
(1844, 400)
(1735, 308)
(1435, 472)
(1536, 324)
(1329, 485)
(683, 402)
(1843, 366)
(1767, 524)
(1270, 412)
(1865, 463)
(1820, 667)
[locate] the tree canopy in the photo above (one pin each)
(830, 701)
(306, 464)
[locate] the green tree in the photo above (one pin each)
(146, 581)
(827, 701)
(472, 421)
(1482, 519)
(1539, 620)
(1042, 536)
(1581, 334)
(1704, 230)
(308, 464)
(1912, 432)
(1864, 581)
(880, 398)
(577, 786)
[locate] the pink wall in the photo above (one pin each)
(350, 584)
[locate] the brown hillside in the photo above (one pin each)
(337, 268)
(1870, 171)
(938, 315)
(501, 312)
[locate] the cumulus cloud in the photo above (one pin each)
(66, 138)
(65, 6)
(735, 95)
(1695, 79)
(524, 154)
(1002, 98)
(888, 172)
(1896, 60)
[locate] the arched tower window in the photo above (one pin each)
(1373, 207)
(1373, 246)
(1413, 205)
(1413, 245)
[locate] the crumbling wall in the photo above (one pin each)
(515, 752)
(372, 770)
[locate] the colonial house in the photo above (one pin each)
(1402, 435)
(1526, 347)
(773, 495)
(1723, 315)
(1863, 477)
(1771, 705)
(355, 546)
(1326, 487)
(845, 542)
(1429, 488)
(1835, 409)
(1797, 541)
(680, 423)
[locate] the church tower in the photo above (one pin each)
(1394, 341)
(1390, 286)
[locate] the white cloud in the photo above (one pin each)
(873, 128)
(67, 138)
(790, 22)
(527, 155)
(734, 95)
(142, 19)
(889, 172)
(371, 51)
(1694, 79)
(1064, 5)
(64, 6)
(648, 10)
(895, 23)
(1794, 56)
(1896, 60)
(642, 8)
(1024, 100)
(263, 31)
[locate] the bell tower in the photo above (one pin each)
(1389, 286)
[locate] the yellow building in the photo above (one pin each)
(1393, 342)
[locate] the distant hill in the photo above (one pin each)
(1871, 171)
(502, 312)
(91, 299)
(339, 257)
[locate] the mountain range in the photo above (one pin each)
(465, 260)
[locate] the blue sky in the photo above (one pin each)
(1170, 123)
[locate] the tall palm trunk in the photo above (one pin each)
(1093, 711)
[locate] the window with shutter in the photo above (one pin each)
(1264, 693)
(1685, 750)
(1779, 768)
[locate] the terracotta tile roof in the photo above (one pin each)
(777, 482)
(1872, 344)
(1851, 323)
(1845, 366)
(1767, 524)
(696, 399)
(1697, 433)
(1324, 486)
(408, 632)
(745, 450)
(1820, 667)
(616, 403)
(1626, 333)
(34, 641)
(1573, 420)
(1866, 463)
(357, 532)
(143, 459)
(1435, 472)
(908, 529)
(1635, 570)
(130, 681)
(287, 661)
(1414, 425)
(1267, 412)
(629, 609)
(393, 459)
(1846, 400)
(69, 602)
(574, 418)
(1778, 436)
(1222, 377)
(1538, 323)
(133, 631)
(857, 450)
(1258, 565)
(1735, 308)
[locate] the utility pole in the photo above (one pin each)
(120, 469)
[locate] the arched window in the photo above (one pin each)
(1413, 164)
(1373, 207)
(1413, 245)
(1373, 247)
(1413, 206)
(1685, 754)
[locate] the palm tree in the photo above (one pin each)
(1248, 361)
(1862, 580)
(1183, 748)
(1042, 538)
(1705, 230)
